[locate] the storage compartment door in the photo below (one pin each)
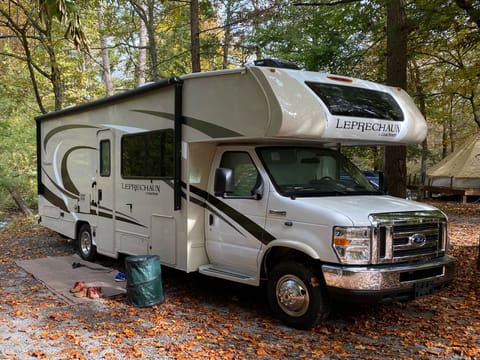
(163, 238)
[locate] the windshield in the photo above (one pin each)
(303, 171)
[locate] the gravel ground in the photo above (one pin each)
(212, 319)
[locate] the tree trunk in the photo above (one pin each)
(22, 205)
(107, 74)
(152, 44)
(476, 104)
(256, 24)
(142, 49)
(423, 169)
(33, 77)
(195, 35)
(451, 127)
(145, 9)
(55, 75)
(227, 34)
(445, 141)
(420, 94)
(395, 156)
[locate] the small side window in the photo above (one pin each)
(105, 163)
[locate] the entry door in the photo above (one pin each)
(104, 193)
(235, 223)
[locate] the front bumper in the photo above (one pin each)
(400, 281)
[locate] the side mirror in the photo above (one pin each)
(223, 183)
(257, 191)
(382, 183)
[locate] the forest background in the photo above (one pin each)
(59, 53)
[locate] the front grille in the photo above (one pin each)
(403, 245)
(403, 237)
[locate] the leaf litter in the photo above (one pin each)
(205, 318)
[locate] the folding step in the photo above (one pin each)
(215, 271)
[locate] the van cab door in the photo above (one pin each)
(235, 217)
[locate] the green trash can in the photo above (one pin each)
(144, 280)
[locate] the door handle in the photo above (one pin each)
(210, 219)
(278, 212)
(99, 195)
(130, 206)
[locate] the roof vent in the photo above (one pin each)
(276, 63)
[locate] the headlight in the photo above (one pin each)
(352, 244)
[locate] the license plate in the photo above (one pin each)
(424, 288)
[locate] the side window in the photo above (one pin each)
(245, 173)
(105, 158)
(148, 155)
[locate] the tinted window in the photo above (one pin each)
(148, 154)
(105, 158)
(357, 102)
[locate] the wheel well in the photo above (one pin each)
(78, 225)
(279, 253)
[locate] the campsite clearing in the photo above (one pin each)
(207, 319)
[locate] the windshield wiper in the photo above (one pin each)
(296, 191)
(366, 192)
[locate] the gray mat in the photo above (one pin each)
(59, 276)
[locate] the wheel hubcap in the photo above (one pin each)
(85, 243)
(292, 295)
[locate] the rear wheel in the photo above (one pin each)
(86, 249)
(296, 295)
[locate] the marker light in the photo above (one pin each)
(338, 78)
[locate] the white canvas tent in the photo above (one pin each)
(459, 172)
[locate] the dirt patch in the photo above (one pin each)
(213, 319)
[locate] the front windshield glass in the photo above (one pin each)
(305, 171)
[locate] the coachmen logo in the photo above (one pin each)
(417, 240)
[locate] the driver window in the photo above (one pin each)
(245, 173)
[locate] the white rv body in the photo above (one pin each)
(91, 159)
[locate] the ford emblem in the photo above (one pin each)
(418, 239)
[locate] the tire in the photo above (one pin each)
(296, 295)
(86, 249)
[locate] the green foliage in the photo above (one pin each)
(322, 37)
(17, 146)
(367, 158)
(67, 13)
(445, 49)
(348, 38)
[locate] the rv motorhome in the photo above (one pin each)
(236, 174)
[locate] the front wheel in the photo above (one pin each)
(86, 249)
(296, 295)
